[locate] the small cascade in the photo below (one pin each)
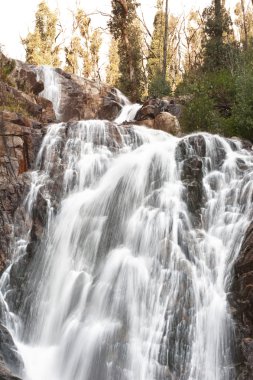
(128, 113)
(52, 87)
(131, 275)
(123, 100)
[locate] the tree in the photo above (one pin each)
(158, 85)
(193, 32)
(90, 45)
(112, 70)
(244, 22)
(169, 31)
(126, 30)
(41, 45)
(82, 54)
(218, 36)
(72, 53)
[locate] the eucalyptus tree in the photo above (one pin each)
(41, 45)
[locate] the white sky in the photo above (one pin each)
(17, 16)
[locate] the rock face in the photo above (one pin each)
(20, 139)
(190, 154)
(241, 299)
(5, 374)
(82, 99)
(160, 114)
(9, 356)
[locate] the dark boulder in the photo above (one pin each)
(241, 301)
(190, 153)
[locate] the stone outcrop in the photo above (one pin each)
(83, 99)
(190, 154)
(20, 139)
(241, 300)
(6, 374)
(160, 114)
(9, 357)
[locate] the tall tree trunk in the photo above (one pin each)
(165, 41)
(244, 25)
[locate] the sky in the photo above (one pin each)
(17, 16)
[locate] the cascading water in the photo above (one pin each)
(130, 289)
(52, 87)
(131, 282)
(128, 113)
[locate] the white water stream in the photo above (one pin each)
(130, 289)
(52, 87)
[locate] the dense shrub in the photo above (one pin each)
(221, 102)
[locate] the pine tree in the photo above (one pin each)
(40, 46)
(112, 70)
(219, 36)
(126, 30)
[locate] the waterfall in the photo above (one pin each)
(52, 87)
(128, 113)
(131, 278)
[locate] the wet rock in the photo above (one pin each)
(190, 153)
(152, 107)
(20, 139)
(150, 123)
(5, 374)
(241, 301)
(9, 353)
(83, 99)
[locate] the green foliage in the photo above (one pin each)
(12, 104)
(156, 54)
(243, 110)
(200, 115)
(6, 67)
(158, 87)
(40, 45)
(112, 70)
(83, 49)
(220, 102)
(220, 91)
(219, 37)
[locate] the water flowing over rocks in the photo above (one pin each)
(91, 190)
(132, 247)
(80, 98)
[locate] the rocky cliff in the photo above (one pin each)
(241, 299)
